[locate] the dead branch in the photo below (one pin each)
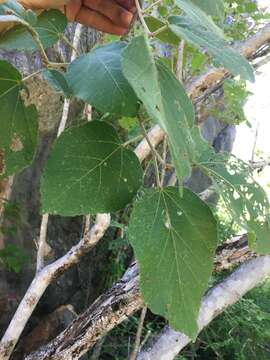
(111, 308)
(169, 342)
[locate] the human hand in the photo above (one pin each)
(110, 16)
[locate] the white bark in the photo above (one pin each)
(109, 310)
(48, 273)
(209, 79)
(43, 279)
(42, 244)
(169, 343)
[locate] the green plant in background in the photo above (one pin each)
(242, 18)
(241, 332)
(13, 258)
(230, 107)
(92, 170)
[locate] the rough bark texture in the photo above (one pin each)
(64, 233)
(103, 315)
(169, 343)
(112, 308)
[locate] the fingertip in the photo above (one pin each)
(126, 18)
(120, 31)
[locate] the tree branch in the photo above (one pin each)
(104, 314)
(108, 311)
(50, 272)
(213, 76)
(169, 343)
(43, 279)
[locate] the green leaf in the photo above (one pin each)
(164, 99)
(14, 8)
(198, 17)
(166, 36)
(199, 30)
(57, 80)
(200, 37)
(50, 25)
(13, 257)
(97, 79)
(18, 136)
(259, 236)
(244, 199)
(211, 7)
(89, 172)
(174, 239)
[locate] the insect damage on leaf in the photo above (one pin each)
(16, 144)
(2, 162)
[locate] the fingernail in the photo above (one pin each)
(126, 18)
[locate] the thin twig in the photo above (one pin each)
(153, 151)
(150, 7)
(164, 157)
(159, 31)
(36, 38)
(70, 44)
(255, 144)
(136, 349)
(33, 74)
(140, 14)
(42, 244)
(133, 140)
(179, 65)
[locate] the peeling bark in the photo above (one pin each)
(104, 314)
(213, 76)
(43, 279)
(50, 272)
(169, 342)
(108, 311)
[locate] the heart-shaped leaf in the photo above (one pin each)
(174, 239)
(89, 172)
(97, 79)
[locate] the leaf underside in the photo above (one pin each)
(164, 99)
(199, 30)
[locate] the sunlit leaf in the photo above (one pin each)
(199, 30)
(243, 198)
